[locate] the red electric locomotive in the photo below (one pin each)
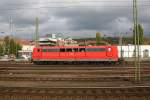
(46, 55)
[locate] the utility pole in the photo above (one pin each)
(120, 44)
(11, 26)
(136, 41)
(37, 32)
(10, 30)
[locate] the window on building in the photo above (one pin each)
(122, 53)
(134, 54)
(145, 53)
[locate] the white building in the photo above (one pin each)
(47, 41)
(129, 51)
(26, 51)
(70, 42)
(52, 40)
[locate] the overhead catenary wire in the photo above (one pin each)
(71, 4)
(48, 7)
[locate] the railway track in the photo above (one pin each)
(73, 79)
(66, 67)
(107, 76)
(45, 73)
(95, 91)
(72, 70)
(72, 82)
(74, 93)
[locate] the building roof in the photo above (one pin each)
(24, 42)
(47, 39)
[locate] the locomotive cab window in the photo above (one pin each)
(38, 50)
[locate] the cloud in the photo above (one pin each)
(80, 18)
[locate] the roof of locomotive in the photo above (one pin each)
(75, 46)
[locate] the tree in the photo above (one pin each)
(140, 34)
(14, 47)
(1, 49)
(6, 45)
(18, 47)
(11, 47)
(98, 38)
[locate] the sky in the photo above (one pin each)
(72, 18)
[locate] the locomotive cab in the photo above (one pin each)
(37, 53)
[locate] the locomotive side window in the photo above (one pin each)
(69, 50)
(95, 50)
(81, 49)
(75, 50)
(44, 50)
(62, 50)
(53, 50)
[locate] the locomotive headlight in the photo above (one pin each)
(109, 49)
